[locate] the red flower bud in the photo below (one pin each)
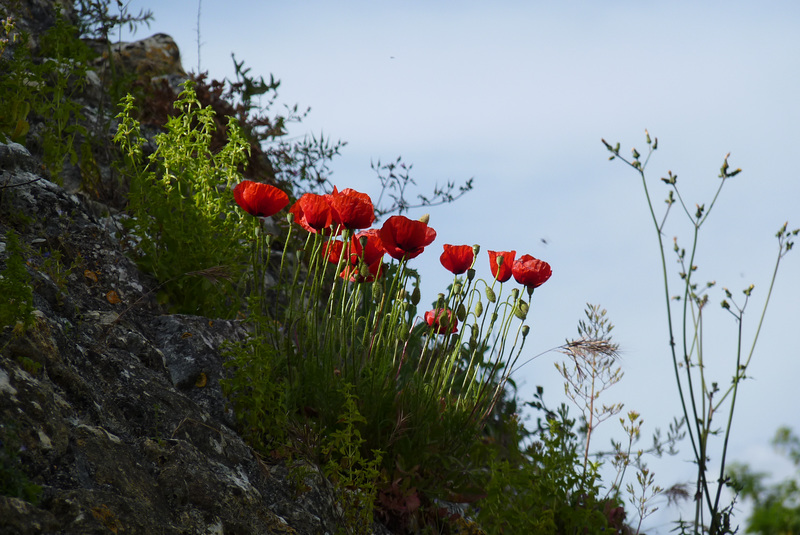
(442, 320)
(501, 272)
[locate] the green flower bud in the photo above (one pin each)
(478, 309)
(403, 334)
(415, 296)
(290, 218)
(461, 312)
(514, 294)
(457, 288)
(490, 294)
(521, 310)
(525, 330)
(470, 274)
(377, 292)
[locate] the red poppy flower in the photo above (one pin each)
(442, 320)
(260, 200)
(352, 209)
(313, 213)
(357, 273)
(457, 258)
(372, 251)
(503, 272)
(530, 271)
(370, 255)
(405, 238)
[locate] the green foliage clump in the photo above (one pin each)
(16, 307)
(46, 88)
(354, 476)
(776, 507)
(544, 489)
(257, 393)
(13, 480)
(182, 205)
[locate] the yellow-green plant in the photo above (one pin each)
(181, 201)
(701, 398)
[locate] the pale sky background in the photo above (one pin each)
(518, 95)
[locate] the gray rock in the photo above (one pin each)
(117, 407)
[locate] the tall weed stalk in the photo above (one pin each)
(702, 400)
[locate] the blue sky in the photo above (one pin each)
(518, 95)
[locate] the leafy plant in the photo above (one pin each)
(13, 480)
(16, 85)
(354, 476)
(544, 490)
(16, 307)
(63, 73)
(180, 198)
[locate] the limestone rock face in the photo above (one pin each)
(115, 409)
(153, 57)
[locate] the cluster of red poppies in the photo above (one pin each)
(399, 237)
